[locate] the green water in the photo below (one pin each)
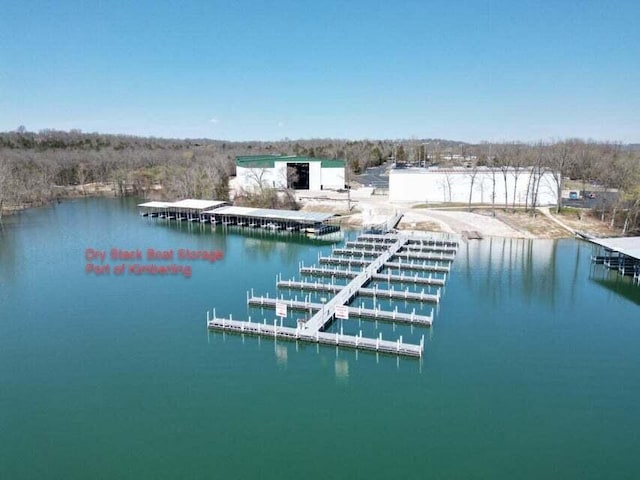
(531, 369)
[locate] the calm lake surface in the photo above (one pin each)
(531, 370)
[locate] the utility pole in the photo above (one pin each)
(346, 174)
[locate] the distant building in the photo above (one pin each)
(289, 171)
(454, 185)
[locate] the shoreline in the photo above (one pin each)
(376, 209)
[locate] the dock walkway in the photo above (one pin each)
(410, 247)
(368, 292)
(406, 255)
(385, 247)
(377, 344)
(357, 312)
(417, 240)
(321, 318)
(388, 277)
(422, 267)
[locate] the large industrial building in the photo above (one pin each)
(477, 186)
(281, 171)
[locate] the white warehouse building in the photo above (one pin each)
(289, 171)
(454, 185)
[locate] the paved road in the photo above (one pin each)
(374, 177)
(599, 199)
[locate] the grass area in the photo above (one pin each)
(569, 212)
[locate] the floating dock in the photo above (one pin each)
(357, 312)
(621, 254)
(351, 341)
(322, 315)
(388, 277)
(190, 209)
(408, 255)
(221, 213)
(380, 246)
(367, 292)
(389, 238)
(417, 266)
(292, 220)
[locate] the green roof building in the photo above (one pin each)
(290, 171)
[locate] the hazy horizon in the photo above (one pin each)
(325, 139)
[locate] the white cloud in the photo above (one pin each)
(215, 121)
(280, 124)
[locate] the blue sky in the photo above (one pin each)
(240, 70)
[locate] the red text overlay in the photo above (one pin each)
(149, 261)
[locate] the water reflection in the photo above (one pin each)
(498, 268)
(258, 244)
(528, 272)
(282, 354)
(615, 283)
(341, 366)
(8, 255)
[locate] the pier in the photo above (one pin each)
(377, 344)
(273, 219)
(190, 209)
(389, 238)
(421, 267)
(367, 292)
(221, 213)
(620, 254)
(409, 247)
(382, 249)
(388, 277)
(413, 255)
(357, 312)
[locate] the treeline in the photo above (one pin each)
(35, 167)
(600, 166)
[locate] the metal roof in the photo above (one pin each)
(154, 205)
(273, 214)
(189, 203)
(268, 161)
(629, 246)
(196, 204)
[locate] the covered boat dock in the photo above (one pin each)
(189, 209)
(272, 219)
(618, 253)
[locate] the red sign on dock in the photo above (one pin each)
(342, 311)
(281, 309)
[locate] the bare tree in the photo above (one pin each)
(5, 180)
(503, 160)
(557, 159)
(536, 171)
(472, 178)
(445, 185)
(519, 160)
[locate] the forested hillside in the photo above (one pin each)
(38, 167)
(34, 165)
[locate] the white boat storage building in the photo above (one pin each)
(298, 173)
(438, 185)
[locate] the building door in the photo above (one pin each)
(298, 176)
